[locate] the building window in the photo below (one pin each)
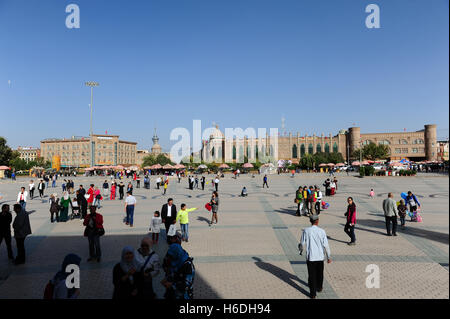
(405, 150)
(402, 141)
(335, 147)
(418, 141)
(415, 150)
(294, 151)
(302, 150)
(398, 150)
(384, 142)
(318, 148)
(367, 142)
(327, 148)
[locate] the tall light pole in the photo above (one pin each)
(92, 85)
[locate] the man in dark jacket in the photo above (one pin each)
(168, 215)
(5, 228)
(22, 229)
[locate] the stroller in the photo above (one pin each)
(75, 210)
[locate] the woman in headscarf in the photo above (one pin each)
(60, 290)
(127, 276)
(180, 272)
(65, 202)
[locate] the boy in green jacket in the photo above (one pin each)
(183, 217)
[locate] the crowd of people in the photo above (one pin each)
(133, 275)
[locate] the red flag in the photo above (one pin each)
(106, 132)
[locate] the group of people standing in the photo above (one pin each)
(308, 200)
(330, 186)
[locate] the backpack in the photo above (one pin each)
(49, 289)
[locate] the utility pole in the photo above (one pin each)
(92, 84)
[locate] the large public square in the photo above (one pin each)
(252, 252)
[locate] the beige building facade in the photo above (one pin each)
(28, 153)
(420, 145)
(90, 151)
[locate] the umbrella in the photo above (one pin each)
(224, 166)
(156, 166)
(118, 167)
(365, 162)
(356, 163)
(167, 166)
(340, 164)
(202, 166)
(133, 168)
(247, 165)
(322, 165)
(4, 168)
(371, 162)
(148, 167)
(180, 166)
(330, 164)
(268, 165)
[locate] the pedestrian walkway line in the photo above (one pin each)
(289, 245)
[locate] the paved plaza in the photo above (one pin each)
(252, 252)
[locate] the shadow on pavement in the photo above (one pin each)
(282, 274)
(426, 234)
(45, 254)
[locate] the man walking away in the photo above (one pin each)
(315, 240)
(41, 187)
(22, 229)
(265, 181)
(390, 214)
(130, 204)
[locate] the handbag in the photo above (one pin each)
(208, 206)
(87, 196)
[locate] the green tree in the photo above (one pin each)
(160, 159)
(335, 157)
(372, 152)
(307, 161)
(18, 164)
(6, 153)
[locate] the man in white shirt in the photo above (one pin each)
(31, 188)
(22, 198)
(216, 184)
(315, 241)
(130, 204)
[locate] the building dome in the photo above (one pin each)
(217, 134)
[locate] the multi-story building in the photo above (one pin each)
(29, 153)
(420, 145)
(87, 151)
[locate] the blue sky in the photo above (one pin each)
(240, 63)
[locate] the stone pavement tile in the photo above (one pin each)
(398, 280)
(259, 280)
(239, 241)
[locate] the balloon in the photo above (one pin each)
(404, 195)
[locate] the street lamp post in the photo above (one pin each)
(91, 84)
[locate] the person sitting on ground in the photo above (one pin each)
(244, 192)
